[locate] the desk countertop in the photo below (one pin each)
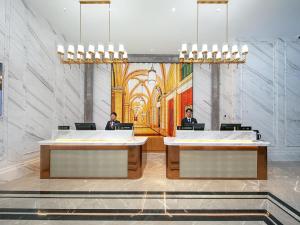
(104, 142)
(172, 141)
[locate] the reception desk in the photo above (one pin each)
(92, 154)
(216, 155)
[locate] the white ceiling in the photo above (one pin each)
(160, 26)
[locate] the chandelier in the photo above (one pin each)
(93, 54)
(216, 55)
(152, 75)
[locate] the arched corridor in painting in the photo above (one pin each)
(152, 96)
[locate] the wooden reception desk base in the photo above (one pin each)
(173, 160)
(136, 159)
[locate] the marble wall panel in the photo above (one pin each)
(292, 92)
(102, 95)
(39, 92)
(202, 94)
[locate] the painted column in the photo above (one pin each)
(118, 104)
(126, 113)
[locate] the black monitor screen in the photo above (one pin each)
(124, 126)
(230, 126)
(199, 126)
(246, 128)
(63, 127)
(186, 127)
(196, 126)
(85, 126)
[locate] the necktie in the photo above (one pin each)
(189, 120)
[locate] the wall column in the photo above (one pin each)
(215, 97)
(88, 92)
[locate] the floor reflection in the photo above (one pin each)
(152, 198)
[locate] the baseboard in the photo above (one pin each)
(274, 155)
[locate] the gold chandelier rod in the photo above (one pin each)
(197, 25)
(227, 25)
(212, 1)
(92, 55)
(95, 1)
(80, 26)
(225, 56)
(109, 23)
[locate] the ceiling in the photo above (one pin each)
(160, 26)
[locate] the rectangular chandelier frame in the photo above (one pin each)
(212, 1)
(95, 2)
(207, 61)
(92, 61)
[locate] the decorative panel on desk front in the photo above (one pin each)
(89, 163)
(218, 164)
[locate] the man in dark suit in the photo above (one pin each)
(113, 122)
(188, 120)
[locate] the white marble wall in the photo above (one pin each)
(39, 92)
(264, 94)
(102, 95)
(202, 107)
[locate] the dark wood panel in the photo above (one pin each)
(262, 163)
(135, 162)
(45, 161)
(155, 144)
(172, 162)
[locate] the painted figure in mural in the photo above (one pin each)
(113, 122)
(188, 119)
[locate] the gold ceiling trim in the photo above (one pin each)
(95, 1)
(212, 1)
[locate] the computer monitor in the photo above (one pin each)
(63, 127)
(245, 128)
(199, 126)
(186, 127)
(124, 126)
(85, 126)
(230, 126)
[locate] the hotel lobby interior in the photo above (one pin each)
(142, 112)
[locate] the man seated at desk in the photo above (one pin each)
(188, 120)
(113, 122)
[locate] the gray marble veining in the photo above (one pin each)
(39, 92)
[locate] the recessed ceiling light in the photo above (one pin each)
(218, 10)
(65, 9)
(173, 9)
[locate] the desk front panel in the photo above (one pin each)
(67, 161)
(89, 163)
(216, 162)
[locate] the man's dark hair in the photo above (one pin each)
(188, 109)
(113, 113)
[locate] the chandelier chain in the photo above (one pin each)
(197, 24)
(109, 35)
(80, 25)
(227, 24)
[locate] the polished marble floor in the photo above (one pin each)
(153, 192)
